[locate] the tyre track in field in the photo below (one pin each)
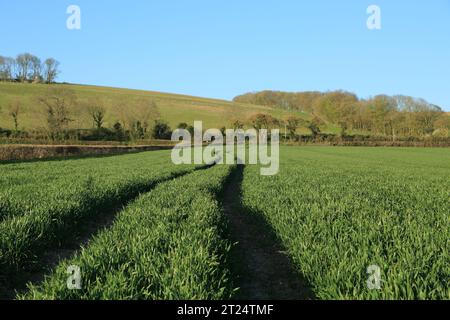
(260, 267)
(87, 229)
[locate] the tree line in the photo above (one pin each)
(389, 118)
(28, 68)
(138, 118)
(382, 115)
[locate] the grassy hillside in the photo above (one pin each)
(173, 108)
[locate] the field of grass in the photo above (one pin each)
(340, 210)
(40, 202)
(173, 108)
(166, 245)
(336, 211)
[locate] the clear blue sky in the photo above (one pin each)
(218, 48)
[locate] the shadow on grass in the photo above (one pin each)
(259, 265)
(78, 235)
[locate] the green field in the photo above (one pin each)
(119, 106)
(167, 245)
(40, 202)
(341, 210)
(335, 211)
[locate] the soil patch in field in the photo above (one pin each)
(260, 266)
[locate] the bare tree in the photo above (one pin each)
(314, 125)
(36, 69)
(7, 66)
(263, 121)
(292, 123)
(237, 124)
(24, 65)
(119, 112)
(147, 113)
(58, 102)
(97, 112)
(50, 70)
(14, 112)
(141, 113)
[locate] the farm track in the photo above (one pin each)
(260, 267)
(87, 229)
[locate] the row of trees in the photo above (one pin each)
(28, 68)
(381, 115)
(138, 119)
(290, 124)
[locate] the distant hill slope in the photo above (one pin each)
(173, 108)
